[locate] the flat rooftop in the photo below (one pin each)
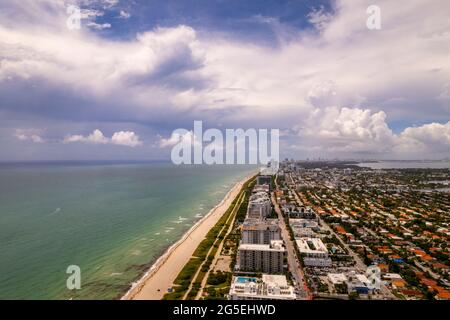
(311, 245)
(275, 245)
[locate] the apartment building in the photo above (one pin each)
(314, 252)
(268, 287)
(256, 231)
(259, 206)
(267, 258)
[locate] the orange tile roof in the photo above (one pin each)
(409, 292)
(340, 230)
(439, 265)
(384, 249)
(390, 235)
(383, 267)
(419, 275)
(427, 257)
(437, 288)
(444, 294)
(428, 282)
(399, 283)
(418, 252)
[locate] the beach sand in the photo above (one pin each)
(154, 284)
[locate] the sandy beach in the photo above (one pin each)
(154, 284)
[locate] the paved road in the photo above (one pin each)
(219, 249)
(360, 265)
(203, 283)
(293, 264)
(432, 274)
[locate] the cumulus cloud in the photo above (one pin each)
(106, 4)
(319, 18)
(126, 138)
(90, 13)
(347, 129)
(124, 15)
(343, 85)
(109, 3)
(98, 26)
(361, 131)
(432, 137)
(123, 138)
(177, 137)
(32, 135)
(148, 76)
(96, 137)
(36, 138)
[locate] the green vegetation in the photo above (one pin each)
(341, 288)
(218, 284)
(219, 277)
(204, 253)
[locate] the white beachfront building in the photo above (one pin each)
(314, 252)
(267, 258)
(256, 231)
(269, 287)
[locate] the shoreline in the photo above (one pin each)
(159, 277)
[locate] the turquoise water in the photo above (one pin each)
(245, 279)
(112, 220)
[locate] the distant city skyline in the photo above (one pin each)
(136, 70)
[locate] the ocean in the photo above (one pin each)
(406, 164)
(111, 219)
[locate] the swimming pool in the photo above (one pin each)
(245, 279)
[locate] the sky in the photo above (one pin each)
(117, 87)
